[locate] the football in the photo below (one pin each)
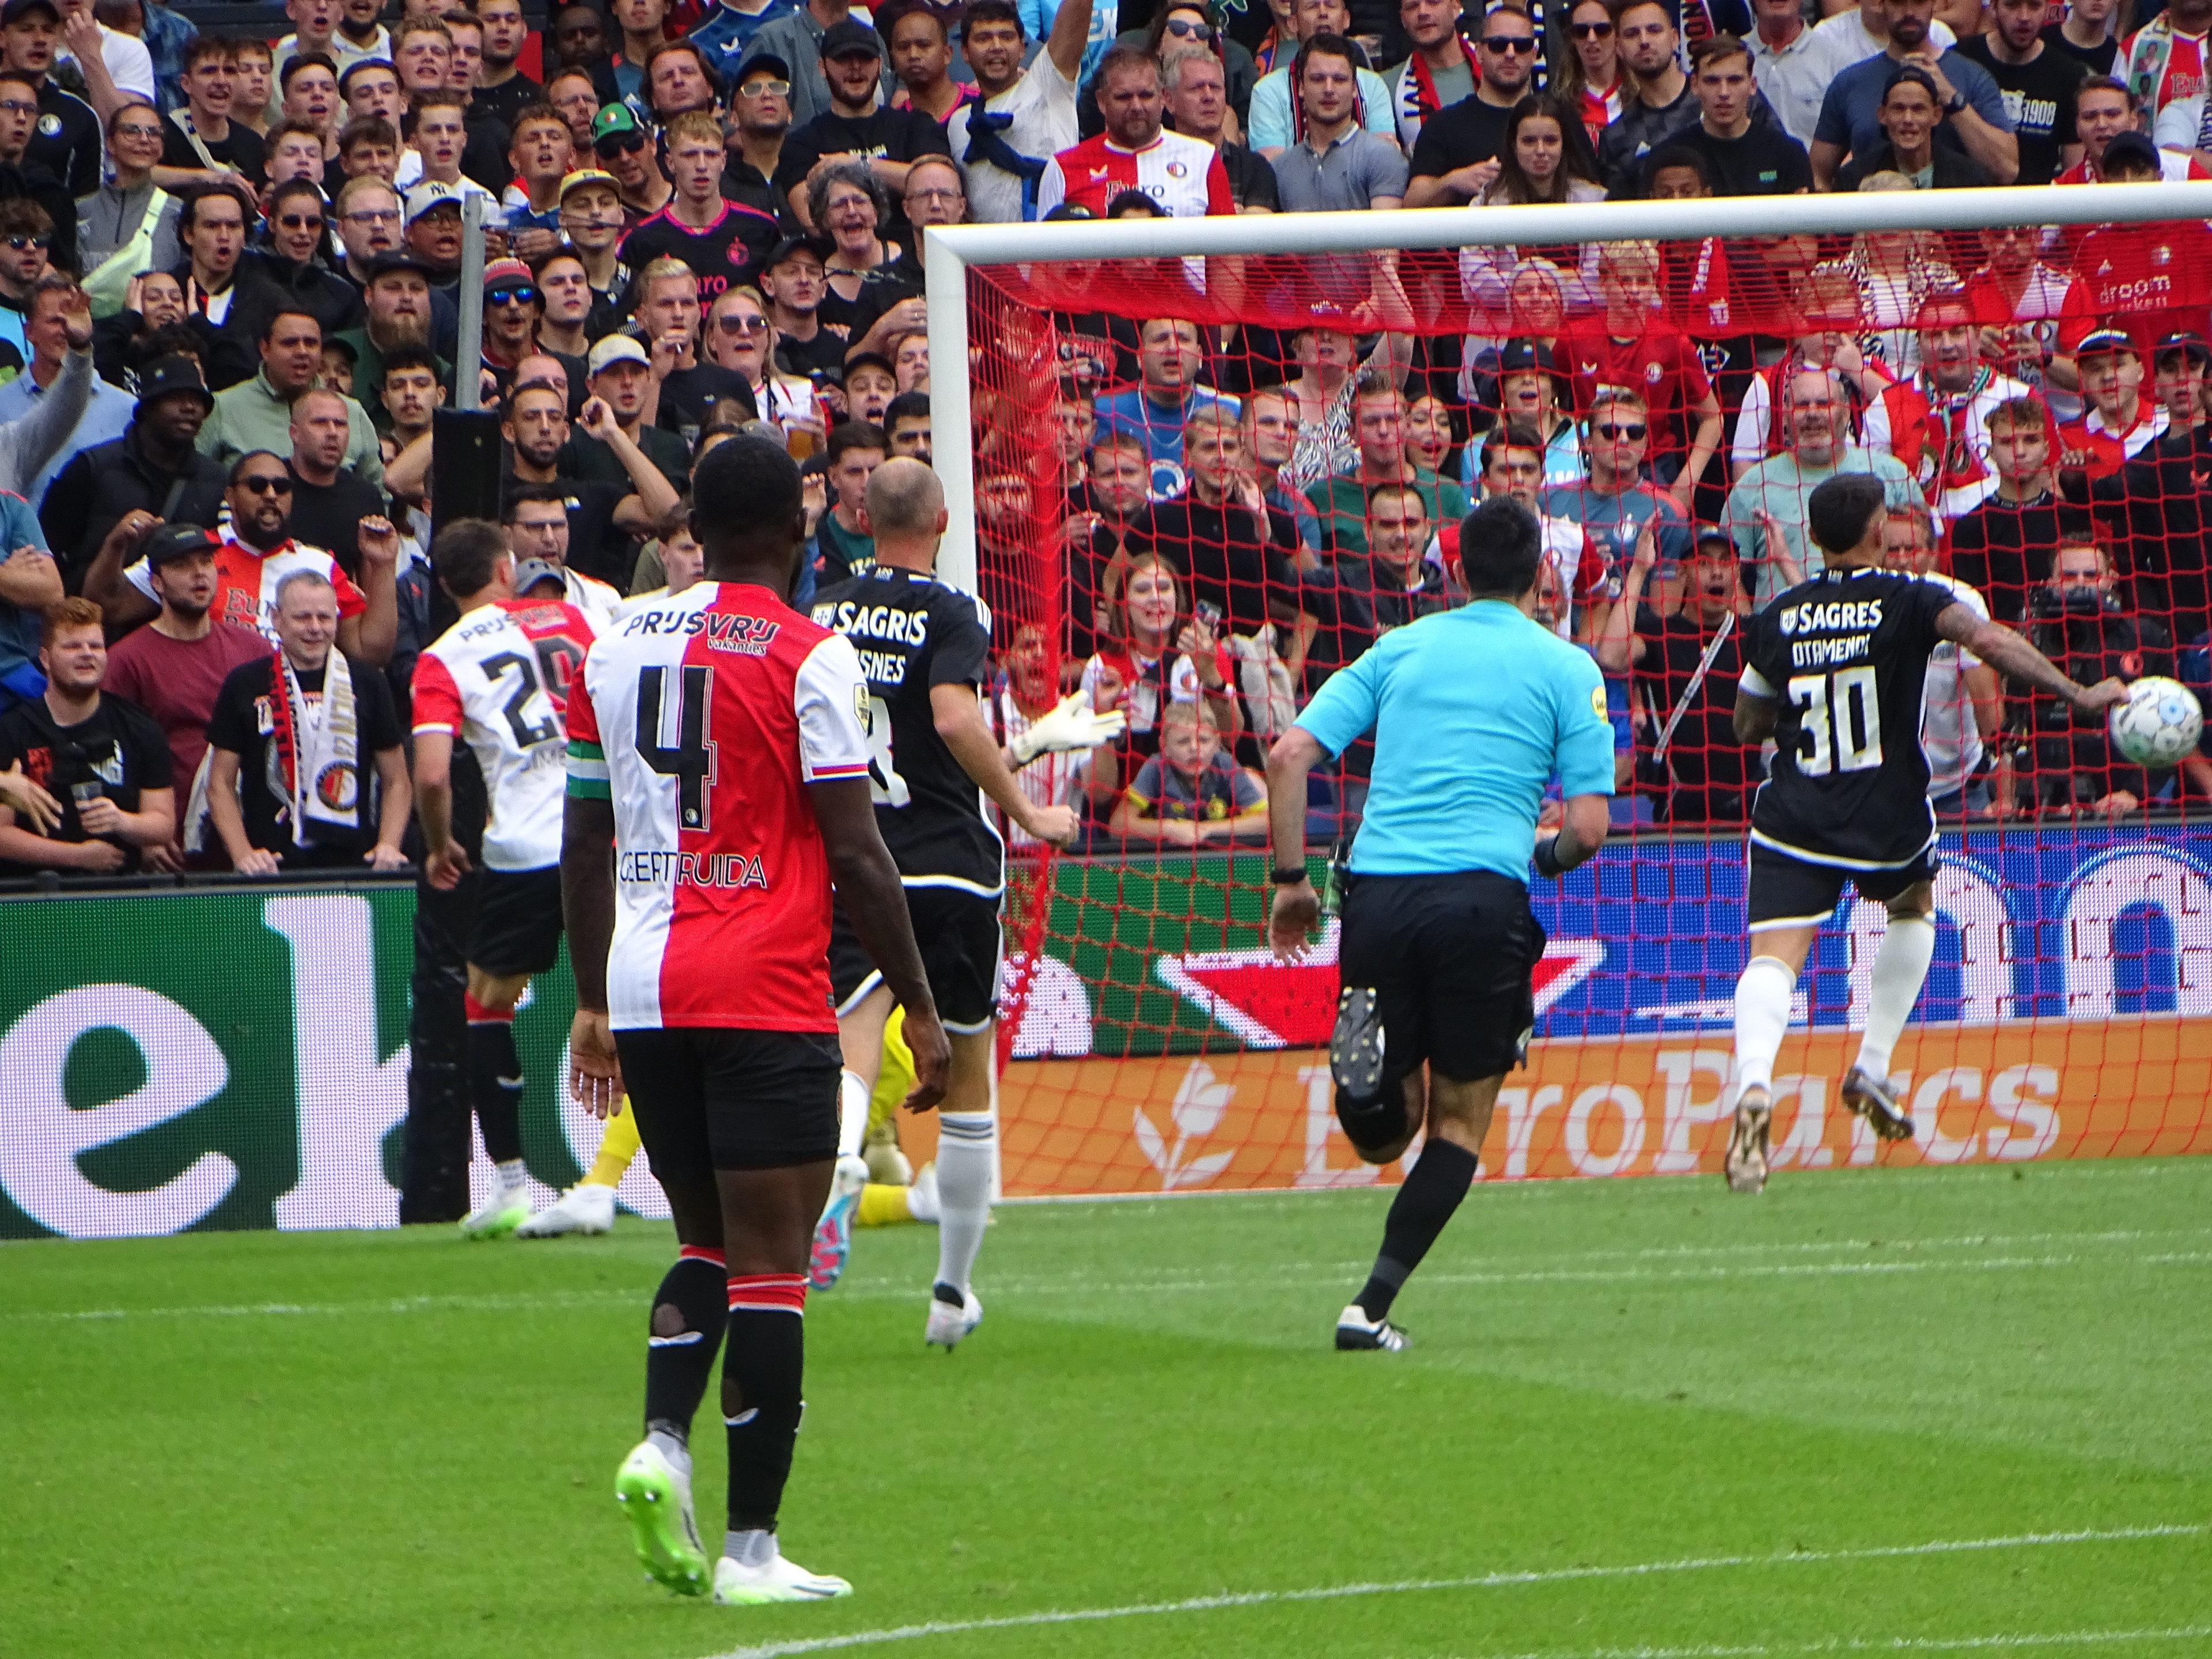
(2158, 724)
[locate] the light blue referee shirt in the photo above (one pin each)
(1472, 711)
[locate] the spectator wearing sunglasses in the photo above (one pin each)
(797, 37)
(25, 237)
(34, 180)
(1614, 500)
(257, 414)
(291, 270)
(760, 117)
(625, 149)
(511, 306)
(1455, 158)
(1190, 27)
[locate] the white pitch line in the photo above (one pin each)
(1484, 1581)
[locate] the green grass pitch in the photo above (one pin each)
(1640, 1416)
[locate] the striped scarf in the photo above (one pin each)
(321, 776)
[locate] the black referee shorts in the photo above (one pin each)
(517, 928)
(960, 940)
(1449, 959)
(1791, 892)
(717, 1097)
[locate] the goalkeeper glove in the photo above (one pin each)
(1070, 724)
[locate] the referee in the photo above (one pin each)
(1473, 712)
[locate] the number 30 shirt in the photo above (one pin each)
(914, 633)
(702, 717)
(1845, 657)
(499, 679)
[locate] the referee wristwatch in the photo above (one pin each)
(1287, 875)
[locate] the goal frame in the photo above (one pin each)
(949, 251)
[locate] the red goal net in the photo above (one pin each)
(1203, 484)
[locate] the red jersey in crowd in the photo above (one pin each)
(2099, 449)
(246, 579)
(2151, 279)
(1661, 365)
(1183, 175)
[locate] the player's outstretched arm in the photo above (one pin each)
(587, 911)
(958, 718)
(2009, 653)
(867, 883)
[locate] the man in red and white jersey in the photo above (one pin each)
(2120, 422)
(497, 679)
(2152, 279)
(255, 553)
(1183, 175)
(2102, 112)
(2031, 315)
(1936, 423)
(717, 785)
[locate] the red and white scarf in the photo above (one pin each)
(315, 749)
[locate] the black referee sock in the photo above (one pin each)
(1428, 1197)
(762, 1367)
(689, 1311)
(495, 1083)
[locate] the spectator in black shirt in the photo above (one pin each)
(67, 141)
(102, 758)
(1194, 87)
(1455, 158)
(2086, 35)
(602, 517)
(621, 376)
(2038, 82)
(305, 766)
(792, 282)
(503, 91)
(203, 145)
(906, 424)
(668, 322)
(2003, 548)
(1233, 553)
(2153, 508)
(1909, 113)
(1746, 152)
(34, 180)
(760, 117)
(1389, 585)
(329, 500)
(721, 242)
(855, 124)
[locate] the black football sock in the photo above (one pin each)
(495, 1082)
(1427, 1198)
(689, 1311)
(762, 1367)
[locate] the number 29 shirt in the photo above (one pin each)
(914, 633)
(702, 717)
(1843, 657)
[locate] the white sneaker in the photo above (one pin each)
(832, 1233)
(780, 1580)
(656, 1498)
(586, 1208)
(1356, 1333)
(499, 1215)
(948, 1324)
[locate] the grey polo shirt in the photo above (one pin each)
(1346, 178)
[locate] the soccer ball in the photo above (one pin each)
(2158, 724)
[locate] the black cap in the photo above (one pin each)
(2103, 342)
(166, 374)
(1066, 211)
(1519, 356)
(762, 60)
(845, 39)
(2195, 344)
(871, 359)
(16, 9)
(789, 246)
(396, 260)
(1712, 534)
(172, 542)
(2130, 147)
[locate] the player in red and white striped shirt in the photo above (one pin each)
(498, 679)
(718, 783)
(1183, 175)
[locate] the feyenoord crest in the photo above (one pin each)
(50, 125)
(1177, 170)
(338, 786)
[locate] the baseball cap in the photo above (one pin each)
(18, 8)
(173, 542)
(612, 120)
(1519, 356)
(1066, 211)
(385, 264)
(531, 571)
(760, 62)
(2183, 340)
(2130, 147)
(789, 246)
(2097, 342)
(616, 348)
(501, 273)
(430, 194)
(166, 374)
(845, 39)
(583, 176)
(1712, 535)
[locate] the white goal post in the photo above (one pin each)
(947, 253)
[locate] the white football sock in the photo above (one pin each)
(1900, 969)
(853, 1094)
(966, 1145)
(512, 1176)
(1762, 1015)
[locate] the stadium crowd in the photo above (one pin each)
(229, 303)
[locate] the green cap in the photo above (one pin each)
(615, 118)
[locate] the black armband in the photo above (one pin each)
(1547, 859)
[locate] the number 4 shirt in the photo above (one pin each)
(499, 679)
(702, 717)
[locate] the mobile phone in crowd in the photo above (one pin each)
(1209, 613)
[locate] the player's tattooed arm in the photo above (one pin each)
(587, 911)
(2009, 654)
(1753, 719)
(867, 883)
